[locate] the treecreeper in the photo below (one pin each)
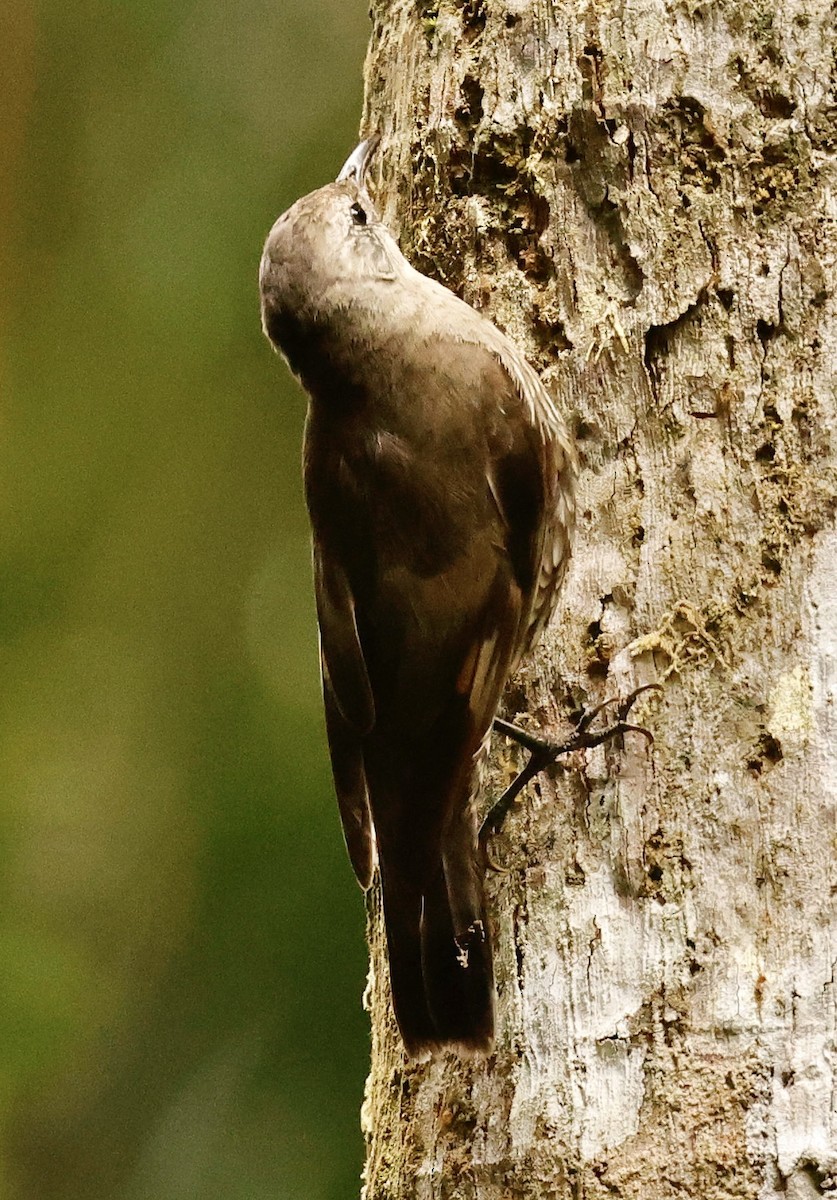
(440, 480)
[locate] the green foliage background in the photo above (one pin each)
(181, 949)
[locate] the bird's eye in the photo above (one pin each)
(358, 214)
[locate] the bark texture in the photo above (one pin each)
(642, 194)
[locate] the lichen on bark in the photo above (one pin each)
(643, 196)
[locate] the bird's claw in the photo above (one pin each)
(542, 752)
(587, 740)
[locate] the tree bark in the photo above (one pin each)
(642, 195)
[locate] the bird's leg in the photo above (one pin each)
(543, 752)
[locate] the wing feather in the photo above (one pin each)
(349, 710)
(340, 643)
(346, 750)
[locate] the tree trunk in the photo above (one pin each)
(642, 195)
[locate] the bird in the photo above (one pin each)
(440, 483)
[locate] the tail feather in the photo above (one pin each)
(457, 971)
(442, 982)
(432, 879)
(402, 917)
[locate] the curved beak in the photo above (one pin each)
(357, 163)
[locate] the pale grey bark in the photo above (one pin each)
(642, 194)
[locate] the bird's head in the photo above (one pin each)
(326, 249)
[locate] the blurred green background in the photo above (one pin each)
(181, 940)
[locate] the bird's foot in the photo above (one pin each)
(543, 752)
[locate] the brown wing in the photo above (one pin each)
(349, 709)
(548, 461)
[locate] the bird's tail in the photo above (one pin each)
(440, 951)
